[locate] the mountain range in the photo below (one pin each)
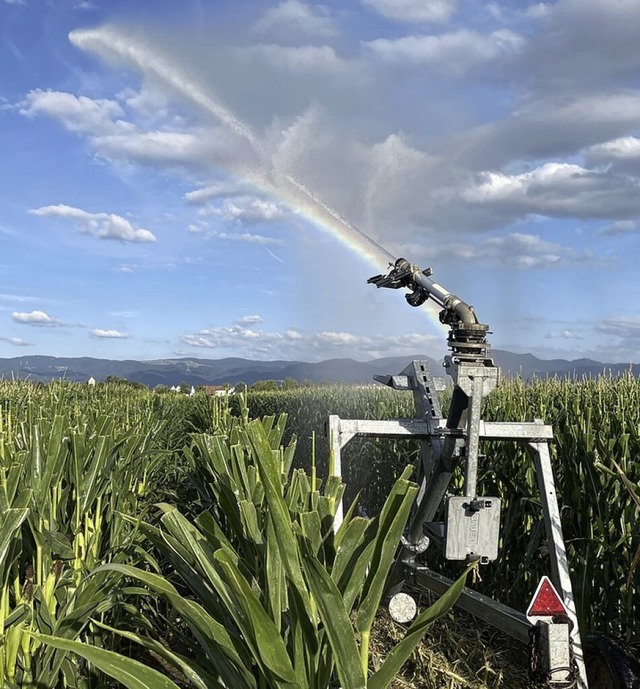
(233, 370)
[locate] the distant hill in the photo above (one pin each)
(233, 370)
(200, 371)
(528, 365)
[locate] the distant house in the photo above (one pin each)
(91, 381)
(218, 390)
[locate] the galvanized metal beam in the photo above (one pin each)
(508, 620)
(557, 549)
(418, 428)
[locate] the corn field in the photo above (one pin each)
(171, 541)
(159, 541)
(596, 459)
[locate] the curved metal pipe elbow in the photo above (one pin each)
(462, 309)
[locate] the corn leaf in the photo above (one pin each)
(399, 654)
(225, 650)
(132, 673)
(392, 521)
(278, 512)
(195, 674)
(12, 520)
(257, 627)
(335, 618)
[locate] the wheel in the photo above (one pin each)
(610, 663)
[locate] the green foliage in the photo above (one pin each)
(69, 471)
(131, 673)
(373, 464)
(276, 598)
(267, 593)
(595, 458)
(265, 386)
(243, 531)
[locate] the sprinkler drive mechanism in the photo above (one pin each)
(466, 527)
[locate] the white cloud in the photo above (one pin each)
(18, 298)
(159, 148)
(499, 186)
(547, 126)
(626, 327)
(516, 250)
(150, 102)
(621, 227)
(540, 10)
(125, 314)
(249, 320)
(298, 344)
(100, 225)
(219, 190)
(17, 341)
(115, 138)
(454, 53)
(39, 318)
(414, 11)
(582, 44)
(78, 114)
(293, 18)
(248, 237)
(223, 337)
(248, 210)
(623, 147)
(558, 190)
(623, 154)
(300, 60)
(16, 2)
(339, 339)
(565, 335)
(108, 334)
(113, 43)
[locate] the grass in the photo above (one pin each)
(457, 653)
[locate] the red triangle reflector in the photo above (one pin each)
(546, 602)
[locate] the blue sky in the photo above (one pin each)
(149, 151)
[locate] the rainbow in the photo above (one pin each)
(110, 41)
(316, 211)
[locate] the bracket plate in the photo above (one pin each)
(473, 528)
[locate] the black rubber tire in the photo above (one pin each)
(610, 663)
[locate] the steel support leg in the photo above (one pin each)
(557, 550)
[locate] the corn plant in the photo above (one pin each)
(596, 442)
(373, 464)
(66, 477)
(275, 597)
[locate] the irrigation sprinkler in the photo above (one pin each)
(470, 530)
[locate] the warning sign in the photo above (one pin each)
(545, 602)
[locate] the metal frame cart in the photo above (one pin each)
(470, 530)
